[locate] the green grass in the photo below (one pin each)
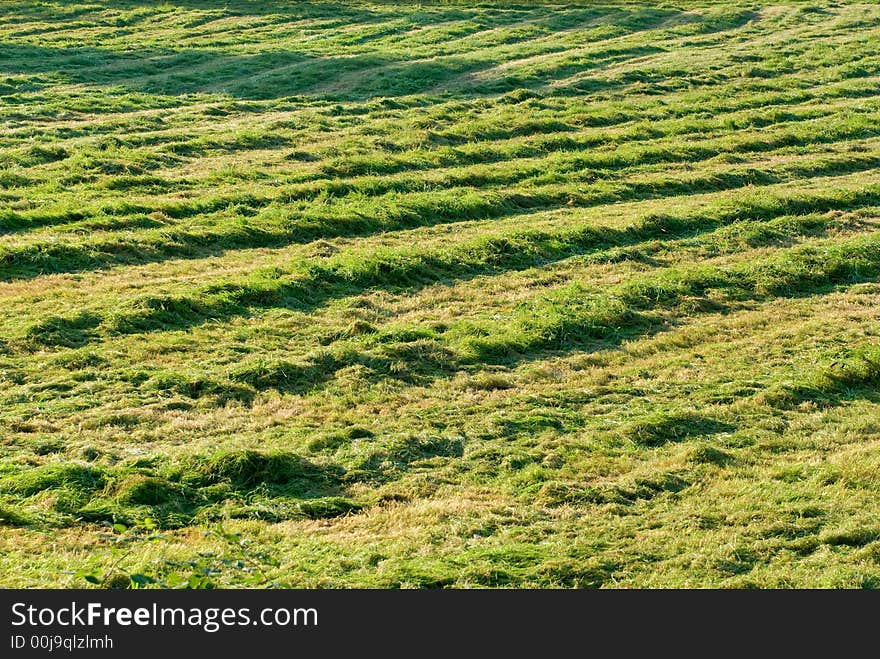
(343, 294)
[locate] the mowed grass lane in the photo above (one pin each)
(348, 294)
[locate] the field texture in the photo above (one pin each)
(412, 295)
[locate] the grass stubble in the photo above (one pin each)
(440, 295)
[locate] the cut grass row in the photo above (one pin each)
(362, 216)
(578, 296)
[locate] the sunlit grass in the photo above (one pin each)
(390, 295)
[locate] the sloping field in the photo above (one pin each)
(338, 295)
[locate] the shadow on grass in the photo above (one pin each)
(353, 76)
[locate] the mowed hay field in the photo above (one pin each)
(325, 294)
